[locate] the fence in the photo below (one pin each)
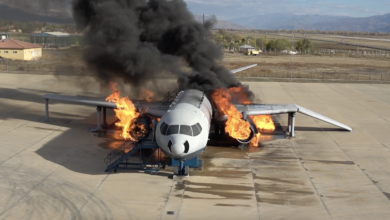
(40, 69)
(37, 69)
(276, 75)
(354, 52)
(384, 54)
(319, 77)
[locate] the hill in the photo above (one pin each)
(221, 24)
(8, 13)
(380, 23)
(316, 22)
(282, 21)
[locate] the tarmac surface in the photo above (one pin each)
(56, 171)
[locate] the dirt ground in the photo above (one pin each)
(311, 66)
(270, 65)
(68, 61)
(324, 41)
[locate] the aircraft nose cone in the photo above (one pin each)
(177, 149)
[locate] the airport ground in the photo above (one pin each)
(55, 170)
(311, 67)
(327, 41)
(339, 67)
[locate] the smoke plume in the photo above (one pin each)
(136, 40)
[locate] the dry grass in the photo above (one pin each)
(334, 44)
(69, 61)
(337, 67)
(314, 67)
(381, 44)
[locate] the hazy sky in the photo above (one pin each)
(227, 9)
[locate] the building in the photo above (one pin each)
(246, 48)
(3, 35)
(52, 40)
(19, 50)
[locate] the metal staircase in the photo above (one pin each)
(121, 158)
(169, 97)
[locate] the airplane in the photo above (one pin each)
(183, 130)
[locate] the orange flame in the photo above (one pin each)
(263, 122)
(125, 111)
(255, 141)
(147, 95)
(236, 127)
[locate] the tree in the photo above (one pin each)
(278, 45)
(304, 45)
(265, 40)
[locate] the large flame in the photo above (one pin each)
(236, 126)
(263, 122)
(125, 111)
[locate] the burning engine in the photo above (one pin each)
(140, 128)
(252, 134)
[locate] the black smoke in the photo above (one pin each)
(136, 40)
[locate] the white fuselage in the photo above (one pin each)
(182, 133)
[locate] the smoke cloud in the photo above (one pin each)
(136, 40)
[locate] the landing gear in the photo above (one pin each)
(181, 170)
(186, 170)
(176, 171)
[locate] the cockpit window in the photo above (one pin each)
(193, 130)
(173, 129)
(196, 129)
(164, 128)
(185, 129)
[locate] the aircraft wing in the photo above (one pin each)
(82, 100)
(272, 109)
(242, 68)
(155, 109)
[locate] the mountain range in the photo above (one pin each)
(10, 13)
(277, 21)
(221, 24)
(380, 23)
(16, 14)
(315, 22)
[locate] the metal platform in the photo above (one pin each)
(147, 151)
(150, 158)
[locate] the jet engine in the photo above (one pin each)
(252, 135)
(140, 128)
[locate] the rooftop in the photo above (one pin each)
(16, 44)
(51, 34)
(247, 46)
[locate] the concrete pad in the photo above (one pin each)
(55, 170)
